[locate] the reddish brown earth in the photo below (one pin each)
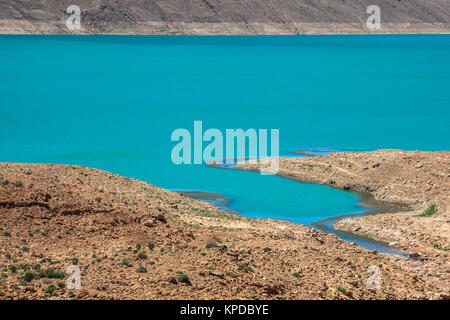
(133, 240)
(414, 179)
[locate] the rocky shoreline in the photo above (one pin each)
(132, 240)
(418, 180)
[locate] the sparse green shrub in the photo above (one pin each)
(29, 276)
(429, 212)
(52, 274)
(50, 290)
(183, 278)
(141, 269)
(18, 184)
(211, 245)
(245, 267)
(142, 255)
(24, 267)
(343, 290)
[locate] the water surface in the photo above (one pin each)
(112, 102)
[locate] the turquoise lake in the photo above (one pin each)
(112, 102)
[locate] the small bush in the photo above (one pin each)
(429, 212)
(12, 268)
(151, 246)
(30, 276)
(141, 270)
(184, 278)
(342, 290)
(245, 267)
(211, 245)
(18, 184)
(52, 274)
(24, 267)
(125, 262)
(142, 255)
(50, 289)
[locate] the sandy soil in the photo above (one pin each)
(133, 240)
(414, 179)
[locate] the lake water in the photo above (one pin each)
(112, 102)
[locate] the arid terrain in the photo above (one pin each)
(418, 180)
(133, 240)
(205, 17)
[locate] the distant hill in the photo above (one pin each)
(225, 16)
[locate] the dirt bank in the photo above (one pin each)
(133, 240)
(417, 179)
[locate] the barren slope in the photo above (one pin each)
(224, 16)
(133, 240)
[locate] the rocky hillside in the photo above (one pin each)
(224, 16)
(132, 240)
(417, 179)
